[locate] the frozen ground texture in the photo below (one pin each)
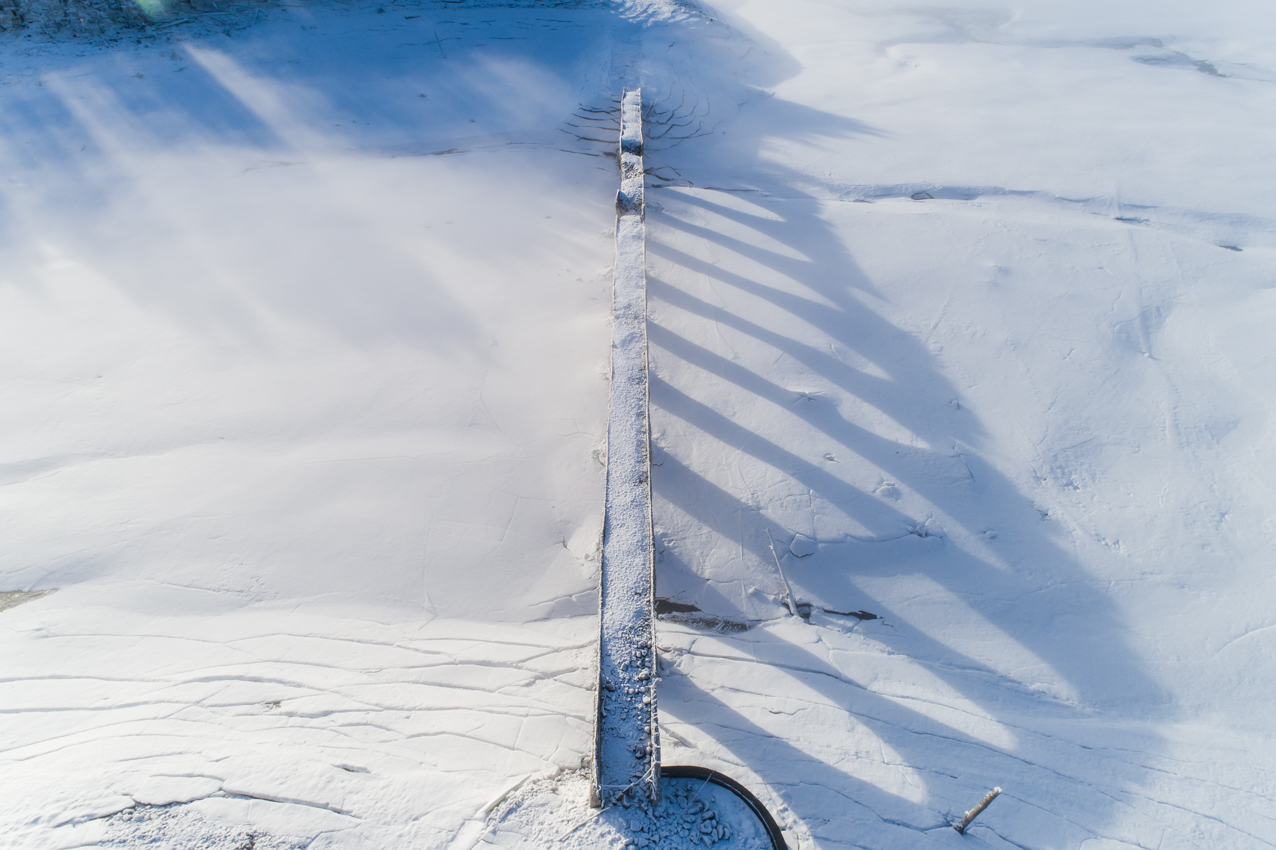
(690, 814)
(305, 334)
(966, 307)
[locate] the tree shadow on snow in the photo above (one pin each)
(742, 258)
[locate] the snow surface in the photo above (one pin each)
(975, 299)
(690, 814)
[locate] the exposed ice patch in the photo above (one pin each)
(13, 598)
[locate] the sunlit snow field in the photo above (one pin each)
(959, 320)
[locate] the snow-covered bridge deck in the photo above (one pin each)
(627, 743)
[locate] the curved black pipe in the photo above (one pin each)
(686, 771)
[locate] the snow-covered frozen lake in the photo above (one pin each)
(959, 319)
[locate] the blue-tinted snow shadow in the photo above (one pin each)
(1045, 604)
(118, 138)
